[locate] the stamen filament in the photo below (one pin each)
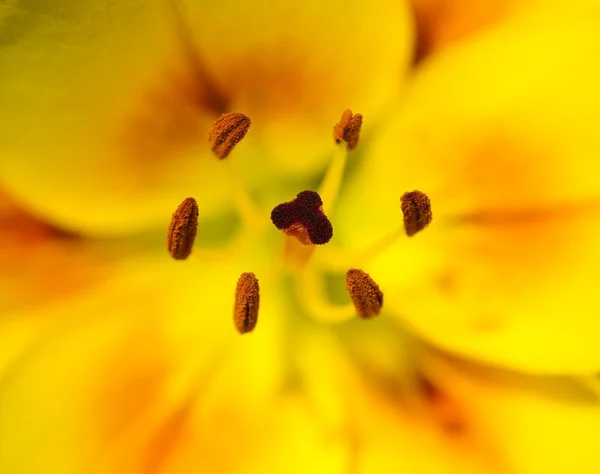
(310, 293)
(245, 205)
(336, 260)
(234, 250)
(237, 246)
(331, 184)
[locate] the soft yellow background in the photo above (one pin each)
(116, 359)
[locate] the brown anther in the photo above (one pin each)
(182, 229)
(227, 132)
(364, 292)
(416, 208)
(348, 129)
(247, 298)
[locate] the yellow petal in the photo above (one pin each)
(501, 133)
(440, 23)
(538, 424)
(111, 368)
(104, 119)
(285, 437)
(361, 386)
(102, 115)
(41, 263)
(294, 67)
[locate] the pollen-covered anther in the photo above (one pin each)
(247, 299)
(303, 218)
(227, 132)
(416, 208)
(364, 292)
(182, 229)
(348, 129)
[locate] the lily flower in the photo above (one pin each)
(500, 131)
(298, 240)
(139, 377)
(108, 106)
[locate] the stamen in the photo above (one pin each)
(182, 229)
(416, 208)
(364, 292)
(348, 129)
(303, 218)
(227, 132)
(247, 298)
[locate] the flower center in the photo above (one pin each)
(305, 225)
(304, 219)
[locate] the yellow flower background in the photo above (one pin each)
(114, 358)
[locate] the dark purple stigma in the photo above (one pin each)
(305, 210)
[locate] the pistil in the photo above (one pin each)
(303, 218)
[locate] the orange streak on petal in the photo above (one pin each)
(129, 383)
(171, 116)
(166, 438)
(442, 22)
(41, 262)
